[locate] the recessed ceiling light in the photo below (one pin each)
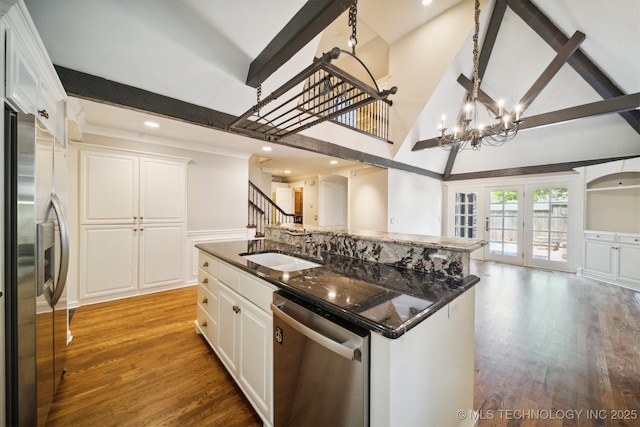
(265, 148)
(287, 171)
(427, 2)
(334, 162)
(151, 124)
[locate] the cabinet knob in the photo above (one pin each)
(236, 309)
(141, 218)
(135, 229)
(205, 281)
(43, 113)
(203, 323)
(206, 264)
(205, 300)
(135, 217)
(141, 229)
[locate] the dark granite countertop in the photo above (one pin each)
(382, 298)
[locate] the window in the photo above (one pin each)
(503, 222)
(465, 215)
(549, 228)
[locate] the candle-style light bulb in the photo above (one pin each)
(518, 108)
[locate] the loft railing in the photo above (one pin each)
(371, 119)
(264, 211)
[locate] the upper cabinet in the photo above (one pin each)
(32, 85)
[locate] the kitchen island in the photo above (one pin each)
(421, 321)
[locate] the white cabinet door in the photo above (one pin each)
(109, 187)
(256, 354)
(598, 258)
(22, 80)
(629, 264)
(161, 253)
(109, 260)
(228, 328)
(162, 190)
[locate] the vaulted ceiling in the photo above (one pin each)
(199, 61)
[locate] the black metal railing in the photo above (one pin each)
(264, 211)
(371, 119)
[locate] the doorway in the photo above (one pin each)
(502, 225)
(298, 204)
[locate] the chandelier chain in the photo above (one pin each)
(476, 61)
(353, 23)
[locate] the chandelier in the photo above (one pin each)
(470, 132)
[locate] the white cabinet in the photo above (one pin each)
(32, 85)
(244, 325)
(132, 216)
(613, 258)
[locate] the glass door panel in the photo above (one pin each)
(465, 218)
(549, 226)
(503, 225)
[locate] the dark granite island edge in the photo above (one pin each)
(355, 290)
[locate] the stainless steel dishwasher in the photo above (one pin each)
(320, 366)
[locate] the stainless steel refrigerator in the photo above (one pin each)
(36, 261)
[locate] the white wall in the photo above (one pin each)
(260, 179)
(333, 201)
(368, 199)
(415, 204)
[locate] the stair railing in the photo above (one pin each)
(264, 211)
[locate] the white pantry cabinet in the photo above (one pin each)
(132, 223)
(242, 327)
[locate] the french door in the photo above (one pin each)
(526, 225)
(504, 224)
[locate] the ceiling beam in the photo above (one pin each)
(552, 69)
(489, 41)
(533, 170)
(307, 23)
(589, 71)
(606, 106)
(98, 89)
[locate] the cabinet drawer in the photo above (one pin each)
(258, 292)
(208, 301)
(629, 240)
(604, 237)
(208, 327)
(228, 276)
(208, 264)
(208, 281)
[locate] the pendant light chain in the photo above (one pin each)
(476, 62)
(353, 22)
(258, 95)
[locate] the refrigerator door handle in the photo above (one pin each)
(56, 204)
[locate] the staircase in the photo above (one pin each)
(264, 211)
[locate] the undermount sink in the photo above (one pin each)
(280, 262)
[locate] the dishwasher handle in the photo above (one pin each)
(339, 348)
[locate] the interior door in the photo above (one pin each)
(503, 225)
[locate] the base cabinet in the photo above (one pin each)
(239, 328)
(613, 258)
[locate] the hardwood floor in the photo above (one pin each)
(138, 362)
(548, 345)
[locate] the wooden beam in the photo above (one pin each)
(87, 86)
(589, 71)
(310, 21)
(552, 69)
(607, 106)
(485, 99)
(532, 170)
